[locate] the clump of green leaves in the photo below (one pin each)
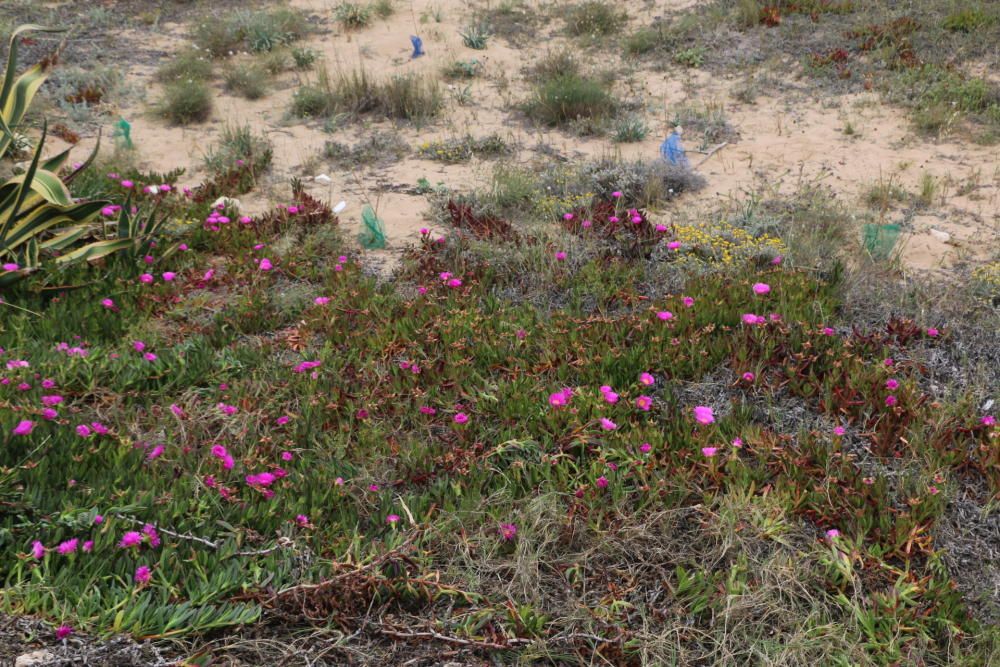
(248, 79)
(476, 36)
(186, 101)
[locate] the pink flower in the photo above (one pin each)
(49, 414)
(558, 399)
(282, 420)
(761, 288)
(508, 531)
(149, 356)
(645, 448)
(461, 418)
(51, 401)
(146, 278)
(321, 300)
(24, 427)
(98, 519)
(83, 430)
(302, 520)
(932, 332)
(63, 631)
(891, 384)
(37, 550)
(567, 216)
(709, 451)
(737, 443)
(560, 256)
(108, 303)
(427, 410)
(616, 194)
(748, 376)
(607, 424)
(177, 410)
(890, 400)
(287, 456)
(646, 379)
(674, 245)
(67, 547)
(833, 533)
(586, 224)
(610, 396)
(169, 275)
(142, 574)
(265, 264)
(665, 315)
(644, 403)
(227, 409)
(88, 546)
(602, 482)
(827, 331)
(839, 430)
(933, 490)
(392, 519)
(687, 301)
(704, 415)
(293, 209)
(155, 453)
(455, 282)
(149, 530)
(988, 420)
(132, 538)
(127, 184)
(9, 266)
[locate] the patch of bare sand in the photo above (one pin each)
(783, 139)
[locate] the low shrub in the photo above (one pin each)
(186, 101)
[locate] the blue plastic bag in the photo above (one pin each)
(672, 152)
(418, 46)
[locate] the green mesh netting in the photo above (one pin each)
(372, 234)
(123, 133)
(880, 240)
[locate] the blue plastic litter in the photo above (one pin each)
(418, 46)
(672, 152)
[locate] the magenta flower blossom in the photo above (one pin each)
(51, 401)
(37, 550)
(616, 194)
(287, 456)
(282, 420)
(83, 430)
(674, 245)
(9, 266)
(321, 300)
(63, 631)
(644, 403)
(427, 410)
(132, 538)
(761, 288)
(932, 332)
(827, 331)
(665, 315)
(392, 519)
(832, 533)
(558, 399)
(169, 275)
(988, 420)
(263, 479)
(155, 453)
(749, 377)
(839, 430)
(507, 531)
(610, 396)
(709, 452)
(704, 415)
(150, 356)
(108, 303)
(127, 184)
(88, 546)
(67, 547)
(602, 482)
(646, 379)
(227, 409)
(933, 490)
(461, 418)
(146, 278)
(737, 443)
(607, 424)
(302, 520)
(24, 427)
(645, 448)
(265, 264)
(560, 256)
(49, 414)
(891, 400)
(142, 574)
(98, 519)
(891, 384)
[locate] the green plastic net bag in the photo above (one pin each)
(123, 133)
(881, 239)
(372, 234)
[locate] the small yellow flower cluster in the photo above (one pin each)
(446, 151)
(722, 242)
(988, 276)
(554, 206)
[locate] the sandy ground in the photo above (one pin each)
(785, 137)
